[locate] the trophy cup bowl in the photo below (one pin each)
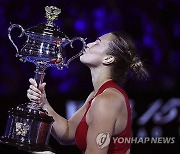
(29, 125)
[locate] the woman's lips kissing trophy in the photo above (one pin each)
(28, 126)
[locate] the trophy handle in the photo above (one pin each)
(78, 54)
(9, 35)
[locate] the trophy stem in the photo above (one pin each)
(39, 77)
(40, 73)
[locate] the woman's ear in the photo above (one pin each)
(108, 59)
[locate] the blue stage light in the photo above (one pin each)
(81, 25)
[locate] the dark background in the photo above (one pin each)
(153, 24)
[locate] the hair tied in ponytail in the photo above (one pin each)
(136, 64)
(138, 68)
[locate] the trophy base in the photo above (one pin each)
(25, 146)
(28, 128)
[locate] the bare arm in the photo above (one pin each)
(102, 119)
(63, 130)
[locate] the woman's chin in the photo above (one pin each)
(83, 59)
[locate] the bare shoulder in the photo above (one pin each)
(111, 97)
(111, 100)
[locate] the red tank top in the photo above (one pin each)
(114, 148)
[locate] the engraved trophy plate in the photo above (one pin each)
(28, 126)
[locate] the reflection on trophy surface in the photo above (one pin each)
(28, 126)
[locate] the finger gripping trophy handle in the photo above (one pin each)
(10, 38)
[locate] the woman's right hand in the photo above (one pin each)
(36, 94)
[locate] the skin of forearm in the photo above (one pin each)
(60, 127)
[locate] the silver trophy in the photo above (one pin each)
(28, 126)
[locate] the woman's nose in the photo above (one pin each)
(89, 45)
